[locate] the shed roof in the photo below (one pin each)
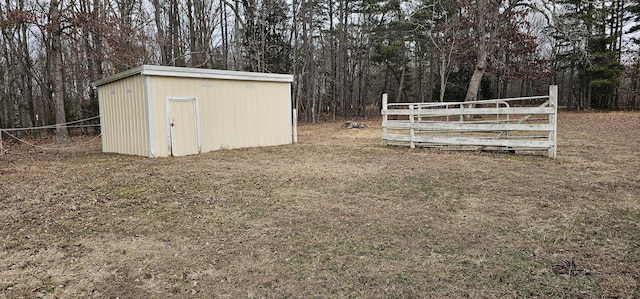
(170, 71)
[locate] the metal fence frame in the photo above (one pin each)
(508, 124)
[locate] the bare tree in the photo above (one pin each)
(440, 24)
(488, 18)
(55, 28)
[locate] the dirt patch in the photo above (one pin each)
(336, 215)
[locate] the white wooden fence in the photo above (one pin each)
(514, 124)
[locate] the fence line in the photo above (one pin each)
(507, 124)
(7, 130)
(54, 148)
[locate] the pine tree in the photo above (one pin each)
(592, 31)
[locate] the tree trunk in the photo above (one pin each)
(26, 71)
(478, 73)
(194, 45)
(401, 83)
(431, 78)
(62, 135)
(224, 31)
(174, 34)
(160, 35)
(443, 77)
(486, 41)
(17, 120)
(238, 61)
(481, 62)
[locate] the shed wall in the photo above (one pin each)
(124, 116)
(232, 113)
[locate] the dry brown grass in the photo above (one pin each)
(336, 215)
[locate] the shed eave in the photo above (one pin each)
(118, 76)
(169, 71)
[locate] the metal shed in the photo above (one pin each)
(159, 111)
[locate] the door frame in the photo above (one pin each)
(168, 101)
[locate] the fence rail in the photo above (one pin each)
(69, 125)
(513, 124)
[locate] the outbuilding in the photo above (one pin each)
(160, 111)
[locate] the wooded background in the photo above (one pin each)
(343, 54)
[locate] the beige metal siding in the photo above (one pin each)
(232, 110)
(124, 116)
(232, 113)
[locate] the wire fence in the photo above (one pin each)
(14, 133)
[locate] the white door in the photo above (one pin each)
(182, 115)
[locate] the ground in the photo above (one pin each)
(336, 215)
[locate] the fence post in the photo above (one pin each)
(384, 118)
(461, 120)
(412, 133)
(295, 125)
(553, 120)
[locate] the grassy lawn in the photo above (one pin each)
(336, 215)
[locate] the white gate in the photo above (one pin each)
(510, 124)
